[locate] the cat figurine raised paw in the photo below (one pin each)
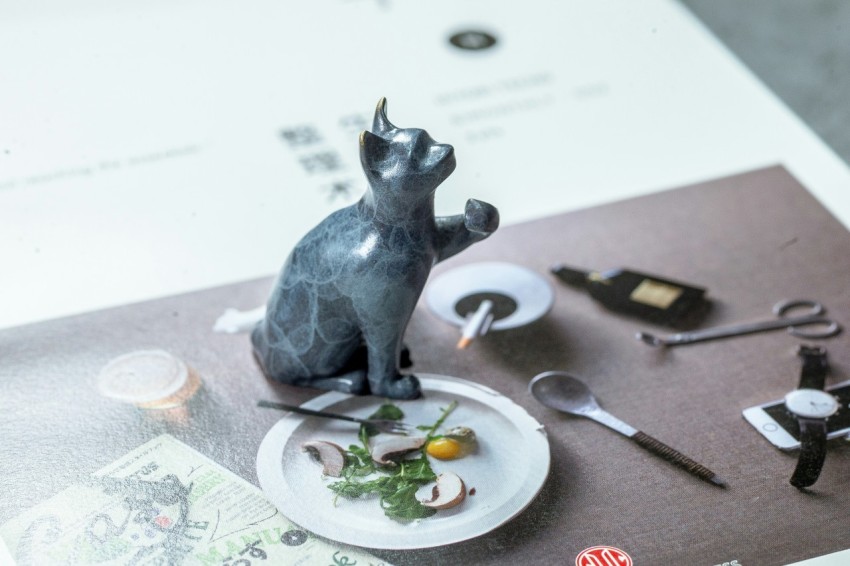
(339, 308)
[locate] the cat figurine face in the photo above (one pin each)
(340, 306)
(404, 161)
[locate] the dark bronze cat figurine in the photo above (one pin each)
(340, 306)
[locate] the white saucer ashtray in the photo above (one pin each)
(489, 296)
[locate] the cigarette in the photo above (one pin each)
(476, 324)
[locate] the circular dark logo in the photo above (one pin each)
(293, 538)
(473, 40)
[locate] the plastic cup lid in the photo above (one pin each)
(142, 376)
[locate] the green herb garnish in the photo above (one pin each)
(430, 430)
(396, 487)
(386, 411)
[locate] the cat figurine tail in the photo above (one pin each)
(340, 306)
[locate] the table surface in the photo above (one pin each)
(751, 239)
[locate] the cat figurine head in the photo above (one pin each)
(403, 162)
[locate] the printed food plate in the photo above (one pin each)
(504, 475)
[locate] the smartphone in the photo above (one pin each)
(780, 427)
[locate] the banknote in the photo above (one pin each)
(165, 503)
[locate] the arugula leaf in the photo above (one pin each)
(355, 489)
(418, 470)
(403, 505)
(358, 462)
(386, 411)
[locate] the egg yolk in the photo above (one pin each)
(444, 448)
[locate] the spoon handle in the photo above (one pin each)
(596, 413)
(675, 457)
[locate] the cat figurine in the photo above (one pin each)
(339, 308)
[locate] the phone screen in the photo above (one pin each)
(840, 421)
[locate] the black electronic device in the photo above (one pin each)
(778, 425)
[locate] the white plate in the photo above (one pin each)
(507, 472)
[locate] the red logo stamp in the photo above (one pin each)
(603, 556)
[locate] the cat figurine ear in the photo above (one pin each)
(374, 151)
(380, 124)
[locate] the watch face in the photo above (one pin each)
(811, 403)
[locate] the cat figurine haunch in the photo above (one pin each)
(340, 306)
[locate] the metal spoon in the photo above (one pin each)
(563, 392)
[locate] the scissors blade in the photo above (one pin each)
(741, 329)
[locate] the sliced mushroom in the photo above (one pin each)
(448, 492)
(385, 452)
(331, 456)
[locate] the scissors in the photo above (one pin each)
(813, 317)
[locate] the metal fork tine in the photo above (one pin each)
(401, 428)
(392, 427)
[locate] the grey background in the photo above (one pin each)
(800, 49)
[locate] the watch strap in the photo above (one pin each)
(812, 451)
(815, 367)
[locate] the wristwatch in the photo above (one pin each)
(811, 405)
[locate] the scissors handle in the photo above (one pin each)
(812, 317)
(782, 307)
(791, 323)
